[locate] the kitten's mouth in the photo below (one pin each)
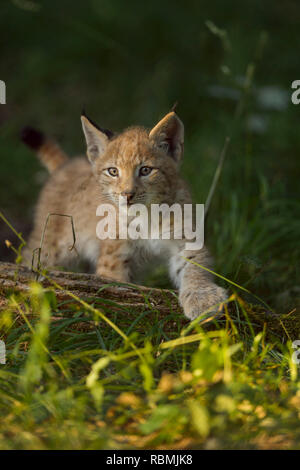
(126, 203)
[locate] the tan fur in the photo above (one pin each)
(51, 155)
(78, 187)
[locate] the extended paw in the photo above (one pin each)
(204, 301)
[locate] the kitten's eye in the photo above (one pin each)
(145, 171)
(112, 171)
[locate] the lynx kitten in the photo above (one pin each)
(141, 165)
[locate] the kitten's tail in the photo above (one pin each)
(49, 153)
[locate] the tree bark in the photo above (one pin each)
(17, 278)
(130, 299)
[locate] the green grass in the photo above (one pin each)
(234, 386)
(68, 387)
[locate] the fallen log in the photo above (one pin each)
(129, 299)
(17, 278)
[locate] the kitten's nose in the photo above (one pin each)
(129, 195)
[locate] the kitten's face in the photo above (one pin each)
(139, 165)
(134, 167)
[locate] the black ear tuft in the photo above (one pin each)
(107, 132)
(174, 107)
(32, 137)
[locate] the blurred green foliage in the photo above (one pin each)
(69, 387)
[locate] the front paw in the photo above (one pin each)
(204, 301)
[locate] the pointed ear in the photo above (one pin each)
(96, 138)
(168, 134)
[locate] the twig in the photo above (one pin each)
(216, 175)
